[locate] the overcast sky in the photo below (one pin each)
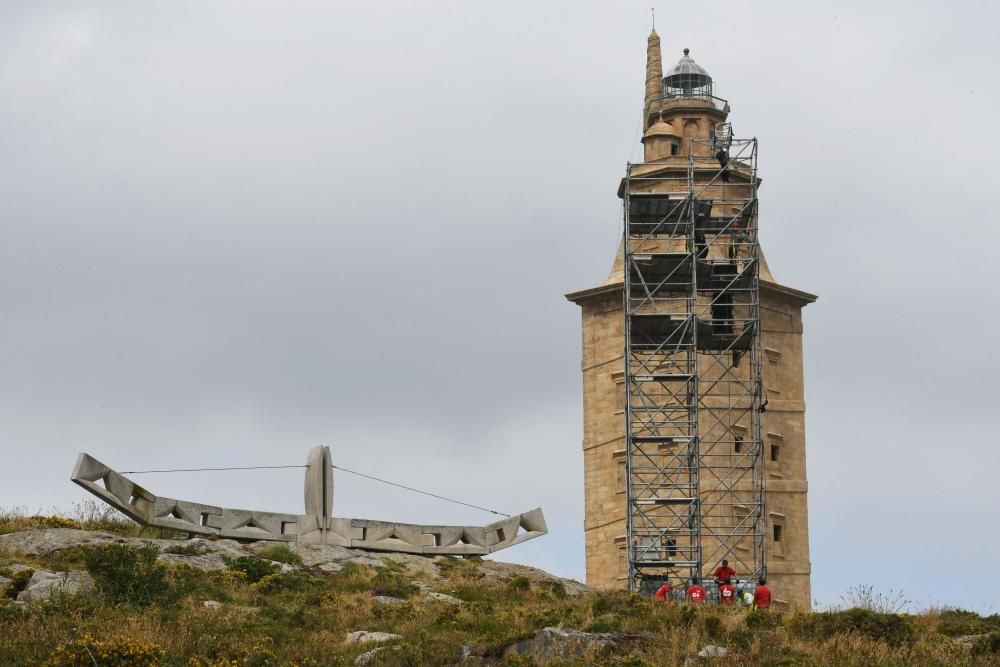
(232, 231)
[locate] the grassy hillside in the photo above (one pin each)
(267, 608)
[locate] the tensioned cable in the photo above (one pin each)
(347, 470)
(426, 493)
(140, 472)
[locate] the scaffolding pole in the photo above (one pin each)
(694, 453)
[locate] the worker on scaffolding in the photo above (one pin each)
(662, 594)
(723, 573)
(723, 139)
(738, 241)
(695, 593)
(762, 595)
(700, 244)
(727, 593)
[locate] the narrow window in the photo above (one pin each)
(673, 148)
(776, 529)
(773, 360)
(775, 451)
(619, 380)
(738, 445)
(621, 474)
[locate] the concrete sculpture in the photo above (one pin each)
(316, 526)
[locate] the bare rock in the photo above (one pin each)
(424, 565)
(198, 552)
(366, 637)
(366, 657)
(43, 542)
(388, 600)
(43, 585)
(503, 572)
(205, 554)
(712, 651)
(558, 645)
(444, 597)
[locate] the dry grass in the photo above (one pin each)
(84, 515)
(302, 619)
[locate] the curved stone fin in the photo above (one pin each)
(184, 516)
(116, 490)
(339, 532)
(248, 525)
(518, 528)
(319, 483)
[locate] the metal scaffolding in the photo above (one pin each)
(694, 454)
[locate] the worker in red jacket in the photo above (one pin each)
(723, 573)
(695, 593)
(762, 595)
(727, 593)
(662, 594)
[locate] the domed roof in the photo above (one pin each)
(687, 73)
(660, 128)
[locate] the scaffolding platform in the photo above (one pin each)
(732, 274)
(665, 214)
(723, 335)
(664, 272)
(669, 328)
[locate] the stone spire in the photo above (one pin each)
(654, 77)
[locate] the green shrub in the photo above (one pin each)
(957, 622)
(739, 638)
(115, 652)
(127, 574)
(18, 582)
(605, 623)
(460, 568)
(352, 578)
(762, 619)
(254, 569)
(298, 582)
(894, 629)
(989, 643)
(280, 553)
(608, 601)
(626, 660)
(392, 585)
(186, 550)
(188, 581)
(519, 661)
(679, 614)
(711, 624)
(519, 583)
(555, 587)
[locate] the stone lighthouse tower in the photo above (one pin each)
(694, 412)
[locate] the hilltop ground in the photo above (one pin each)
(88, 591)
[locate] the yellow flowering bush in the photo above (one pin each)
(114, 652)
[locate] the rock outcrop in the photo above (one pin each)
(206, 554)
